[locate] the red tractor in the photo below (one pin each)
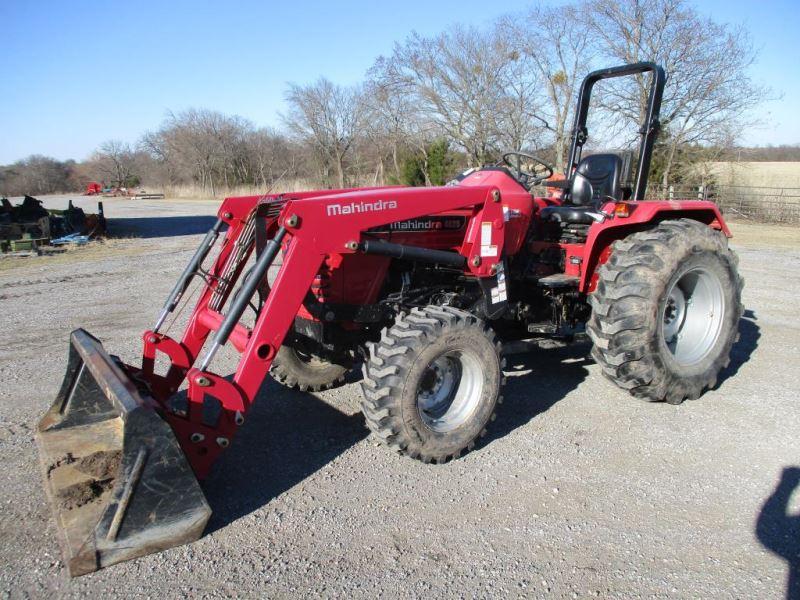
(422, 286)
(93, 189)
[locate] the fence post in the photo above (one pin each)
(671, 192)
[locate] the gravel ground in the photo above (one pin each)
(578, 491)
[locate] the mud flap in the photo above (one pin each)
(117, 480)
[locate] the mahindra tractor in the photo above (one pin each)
(422, 287)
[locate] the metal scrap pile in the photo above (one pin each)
(29, 225)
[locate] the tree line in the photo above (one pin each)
(441, 103)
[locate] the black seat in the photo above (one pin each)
(596, 179)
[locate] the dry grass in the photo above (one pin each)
(759, 235)
(195, 192)
(94, 250)
(757, 174)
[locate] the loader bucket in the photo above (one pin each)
(117, 480)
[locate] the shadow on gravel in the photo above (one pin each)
(553, 374)
(749, 334)
(289, 435)
(150, 227)
(779, 532)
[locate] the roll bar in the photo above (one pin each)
(648, 131)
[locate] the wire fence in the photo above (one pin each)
(764, 204)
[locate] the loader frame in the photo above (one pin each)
(311, 226)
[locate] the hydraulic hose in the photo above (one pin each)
(191, 269)
(244, 294)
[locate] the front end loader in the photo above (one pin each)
(422, 286)
(122, 447)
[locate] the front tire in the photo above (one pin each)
(666, 311)
(432, 383)
(293, 368)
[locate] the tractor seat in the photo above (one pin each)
(596, 178)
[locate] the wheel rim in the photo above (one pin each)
(692, 315)
(450, 390)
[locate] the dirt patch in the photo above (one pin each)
(68, 459)
(100, 465)
(83, 493)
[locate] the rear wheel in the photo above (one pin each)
(432, 383)
(666, 311)
(295, 368)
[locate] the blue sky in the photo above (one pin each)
(74, 74)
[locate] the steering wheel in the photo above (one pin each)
(529, 169)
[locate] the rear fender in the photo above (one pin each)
(644, 215)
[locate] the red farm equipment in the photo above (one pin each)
(422, 286)
(93, 188)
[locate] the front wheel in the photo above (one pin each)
(432, 383)
(295, 368)
(666, 311)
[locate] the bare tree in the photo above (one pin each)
(554, 44)
(36, 175)
(115, 162)
(203, 146)
(271, 157)
(457, 80)
(465, 95)
(518, 122)
(330, 118)
(397, 117)
(708, 95)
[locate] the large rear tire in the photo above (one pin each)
(666, 311)
(432, 383)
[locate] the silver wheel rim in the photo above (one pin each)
(450, 390)
(692, 316)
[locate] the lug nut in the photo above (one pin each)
(351, 245)
(196, 438)
(203, 381)
(223, 442)
(291, 221)
(476, 261)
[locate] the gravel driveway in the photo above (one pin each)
(578, 491)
